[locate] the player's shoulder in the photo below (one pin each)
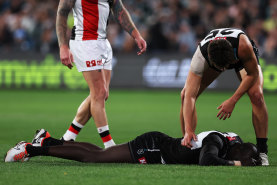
(245, 46)
(244, 41)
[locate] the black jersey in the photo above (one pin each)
(230, 34)
(159, 148)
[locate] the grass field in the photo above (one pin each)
(130, 113)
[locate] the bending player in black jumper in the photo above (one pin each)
(212, 148)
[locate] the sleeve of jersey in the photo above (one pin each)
(211, 146)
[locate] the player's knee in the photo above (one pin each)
(100, 94)
(256, 98)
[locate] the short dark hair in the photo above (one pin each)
(221, 52)
(246, 153)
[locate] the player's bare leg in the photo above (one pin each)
(116, 154)
(83, 114)
(259, 112)
(83, 152)
(99, 92)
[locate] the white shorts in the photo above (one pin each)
(198, 63)
(91, 54)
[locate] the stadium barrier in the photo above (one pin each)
(21, 70)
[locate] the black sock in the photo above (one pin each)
(262, 145)
(52, 142)
(36, 151)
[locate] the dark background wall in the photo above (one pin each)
(33, 70)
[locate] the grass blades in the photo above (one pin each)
(130, 113)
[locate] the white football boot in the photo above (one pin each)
(18, 153)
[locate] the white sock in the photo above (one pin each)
(72, 131)
(109, 143)
(106, 136)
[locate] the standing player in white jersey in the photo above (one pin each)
(223, 49)
(92, 54)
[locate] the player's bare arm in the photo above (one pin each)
(182, 123)
(64, 8)
(123, 18)
(191, 90)
(247, 56)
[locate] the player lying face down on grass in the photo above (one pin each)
(212, 148)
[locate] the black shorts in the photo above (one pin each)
(145, 148)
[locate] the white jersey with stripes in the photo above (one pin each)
(201, 136)
(90, 19)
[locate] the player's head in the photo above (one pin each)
(221, 54)
(247, 153)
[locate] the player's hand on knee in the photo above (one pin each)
(226, 109)
(66, 56)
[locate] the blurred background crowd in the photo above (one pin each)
(167, 25)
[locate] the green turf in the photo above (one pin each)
(130, 113)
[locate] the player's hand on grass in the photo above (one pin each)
(186, 141)
(142, 45)
(66, 56)
(226, 109)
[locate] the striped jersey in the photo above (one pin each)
(90, 19)
(230, 34)
(230, 136)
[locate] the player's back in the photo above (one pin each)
(90, 19)
(174, 153)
